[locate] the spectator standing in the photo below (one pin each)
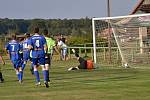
(63, 49)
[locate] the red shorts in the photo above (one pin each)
(90, 64)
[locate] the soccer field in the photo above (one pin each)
(104, 83)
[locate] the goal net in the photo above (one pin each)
(129, 39)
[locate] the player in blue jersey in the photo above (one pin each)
(13, 48)
(38, 46)
(25, 50)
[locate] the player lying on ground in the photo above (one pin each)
(84, 64)
(1, 75)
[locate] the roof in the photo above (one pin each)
(142, 6)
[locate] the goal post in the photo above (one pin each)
(130, 34)
(94, 40)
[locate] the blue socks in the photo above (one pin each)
(36, 73)
(20, 75)
(45, 75)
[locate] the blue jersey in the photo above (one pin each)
(13, 48)
(37, 42)
(26, 51)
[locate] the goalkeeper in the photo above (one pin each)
(84, 64)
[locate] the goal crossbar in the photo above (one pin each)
(116, 17)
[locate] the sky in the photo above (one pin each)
(70, 9)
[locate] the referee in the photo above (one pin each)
(51, 46)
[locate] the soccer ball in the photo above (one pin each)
(73, 50)
(126, 65)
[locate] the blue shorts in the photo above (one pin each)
(26, 58)
(38, 61)
(17, 63)
(26, 55)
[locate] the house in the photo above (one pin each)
(143, 6)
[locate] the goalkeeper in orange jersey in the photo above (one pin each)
(84, 64)
(1, 75)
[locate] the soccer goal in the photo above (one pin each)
(130, 38)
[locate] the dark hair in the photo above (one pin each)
(36, 30)
(13, 36)
(27, 35)
(20, 39)
(45, 32)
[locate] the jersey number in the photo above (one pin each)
(13, 47)
(25, 45)
(37, 43)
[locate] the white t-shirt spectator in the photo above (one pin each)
(62, 44)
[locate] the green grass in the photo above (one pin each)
(104, 83)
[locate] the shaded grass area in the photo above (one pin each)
(104, 83)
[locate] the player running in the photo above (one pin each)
(13, 48)
(26, 51)
(38, 46)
